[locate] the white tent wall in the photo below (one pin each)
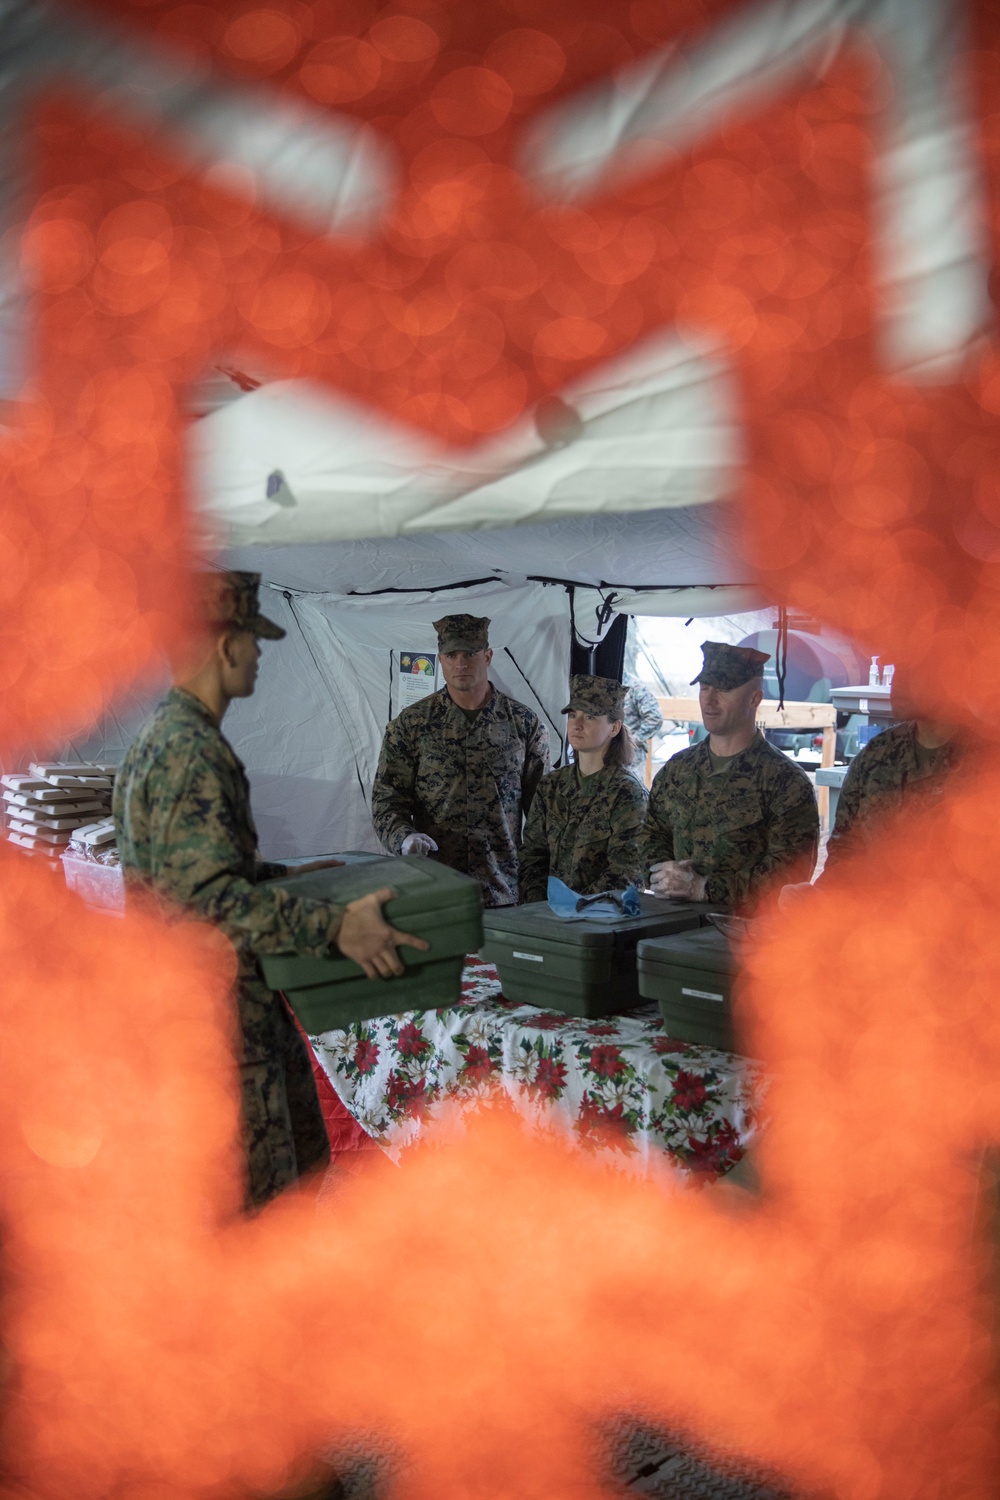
(310, 735)
(107, 738)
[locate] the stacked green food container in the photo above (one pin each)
(690, 975)
(431, 901)
(585, 967)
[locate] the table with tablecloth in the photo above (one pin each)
(620, 1085)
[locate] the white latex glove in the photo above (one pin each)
(791, 895)
(418, 843)
(677, 880)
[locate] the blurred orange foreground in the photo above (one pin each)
(487, 1302)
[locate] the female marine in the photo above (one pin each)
(585, 818)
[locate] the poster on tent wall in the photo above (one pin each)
(416, 676)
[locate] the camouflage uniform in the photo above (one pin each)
(186, 833)
(882, 777)
(754, 824)
(465, 778)
(643, 718)
(466, 785)
(585, 829)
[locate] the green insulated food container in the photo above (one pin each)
(690, 975)
(584, 968)
(347, 857)
(432, 902)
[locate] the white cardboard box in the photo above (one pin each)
(46, 835)
(27, 810)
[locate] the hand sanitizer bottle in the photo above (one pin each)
(888, 672)
(873, 673)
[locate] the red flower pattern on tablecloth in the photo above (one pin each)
(664, 1044)
(716, 1151)
(607, 1061)
(405, 1096)
(623, 1085)
(478, 1066)
(598, 1125)
(366, 1055)
(689, 1091)
(412, 1042)
(550, 1078)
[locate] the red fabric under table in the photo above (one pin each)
(346, 1135)
(347, 1138)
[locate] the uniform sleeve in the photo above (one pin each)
(844, 838)
(536, 761)
(657, 838)
(626, 865)
(646, 718)
(196, 829)
(394, 788)
(533, 860)
(792, 843)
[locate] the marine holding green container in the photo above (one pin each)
(444, 907)
(586, 818)
(187, 839)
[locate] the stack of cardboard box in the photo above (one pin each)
(53, 802)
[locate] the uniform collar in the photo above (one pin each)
(179, 697)
(951, 751)
(752, 750)
(588, 785)
(487, 707)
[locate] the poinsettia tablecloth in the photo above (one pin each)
(621, 1085)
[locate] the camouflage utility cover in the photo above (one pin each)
(465, 784)
(881, 778)
(586, 830)
(232, 599)
(186, 834)
(753, 827)
(729, 667)
(596, 696)
(462, 633)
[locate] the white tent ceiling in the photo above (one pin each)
(630, 492)
(652, 430)
(665, 548)
(658, 428)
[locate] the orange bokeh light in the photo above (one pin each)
(485, 1303)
